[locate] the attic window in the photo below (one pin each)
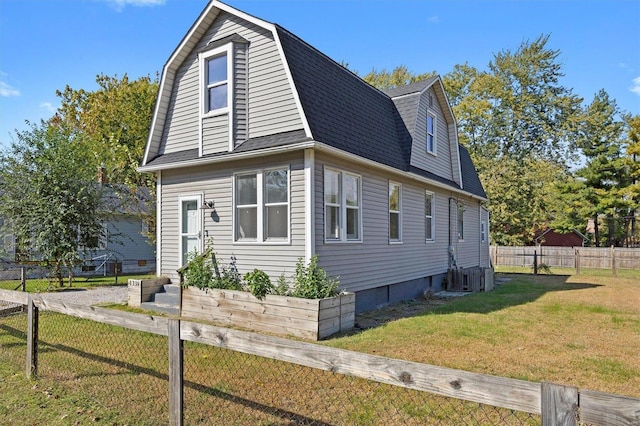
(215, 75)
(431, 133)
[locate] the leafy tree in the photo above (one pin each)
(48, 198)
(605, 173)
(632, 191)
(114, 121)
(399, 76)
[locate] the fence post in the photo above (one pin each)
(176, 364)
(32, 338)
(535, 262)
(577, 261)
(23, 278)
(614, 270)
(559, 405)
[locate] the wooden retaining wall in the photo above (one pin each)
(308, 318)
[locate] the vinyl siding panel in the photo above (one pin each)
(216, 183)
(263, 75)
(468, 250)
(375, 262)
(215, 134)
(440, 163)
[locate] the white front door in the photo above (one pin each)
(190, 232)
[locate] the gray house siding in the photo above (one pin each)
(215, 134)
(127, 245)
(469, 250)
(215, 182)
(376, 262)
(264, 77)
(441, 162)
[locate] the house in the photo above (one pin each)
(550, 237)
(124, 243)
(275, 152)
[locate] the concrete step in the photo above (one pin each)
(160, 307)
(166, 301)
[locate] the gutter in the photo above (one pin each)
(319, 146)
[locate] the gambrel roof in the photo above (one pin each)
(340, 112)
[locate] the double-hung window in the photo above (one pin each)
(343, 214)
(262, 206)
(483, 231)
(395, 217)
(429, 222)
(431, 133)
(215, 71)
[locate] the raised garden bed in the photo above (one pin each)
(285, 315)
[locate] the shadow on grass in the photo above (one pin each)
(44, 347)
(515, 289)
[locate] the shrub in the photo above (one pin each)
(229, 277)
(282, 288)
(258, 283)
(199, 270)
(312, 282)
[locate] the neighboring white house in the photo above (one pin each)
(276, 152)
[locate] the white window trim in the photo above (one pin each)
(460, 206)
(261, 238)
(432, 216)
(198, 200)
(203, 57)
(343, 209)
(399, 212)
(435, 133)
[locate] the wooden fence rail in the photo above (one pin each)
(614, 258)
(556, 404)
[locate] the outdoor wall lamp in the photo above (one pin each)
(208, 204)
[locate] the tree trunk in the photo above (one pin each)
(596, 230)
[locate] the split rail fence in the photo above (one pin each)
(613, 258)
(176, 372)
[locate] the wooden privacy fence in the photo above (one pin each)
(556, 404)
(613, 258)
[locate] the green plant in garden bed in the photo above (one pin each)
(309, 281)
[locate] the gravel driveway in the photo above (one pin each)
(107, 294)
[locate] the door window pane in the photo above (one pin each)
(189, 217)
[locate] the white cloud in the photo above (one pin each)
(121, 4)
(636, 86)
(7, 90)
(48, 106)
(433, 19)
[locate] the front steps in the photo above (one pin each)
(166, 301)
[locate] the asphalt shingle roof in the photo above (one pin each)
(416, 87)
(342, 109)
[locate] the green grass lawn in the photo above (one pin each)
(576, 330)
(39, 285)
(582, 331)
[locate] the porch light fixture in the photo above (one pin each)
(208, 204)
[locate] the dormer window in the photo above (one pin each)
(216, 77)
(216, 83)
(431, 133)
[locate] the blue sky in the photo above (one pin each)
(48, 44)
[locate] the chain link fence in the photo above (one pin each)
(123, 374)
(34, 278)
